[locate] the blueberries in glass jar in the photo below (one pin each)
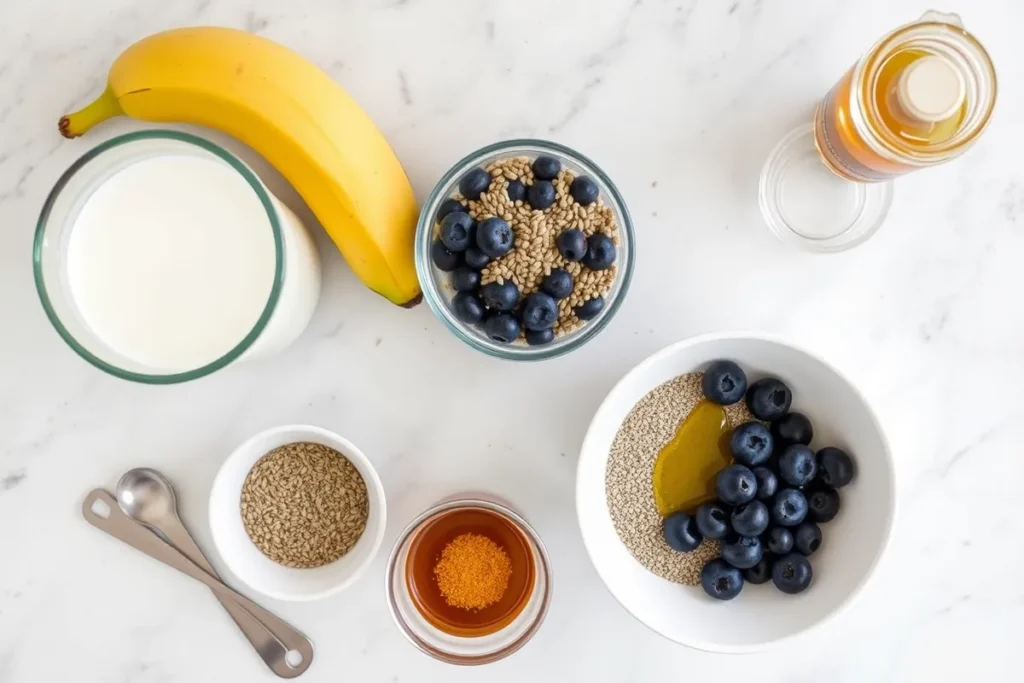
(584, 190)
(500, 296)
(589, 309)
(450, 205)
(751, 443)
(475, 258)
(546, 168)
(443, 258)
(735, 485)
(558, 283)
(720, 581)
(572, 244)
(541, 194)
(789, 507)
(742, 552)
(474, 183)
(503, 328)
(494, 237)
(792, 573)
(767, 483)
(540, 312)
(468, 308)
(465, 279)
(680, 532)
(455, 231)
(750, 519)
(724, 382)
(713, 520)
(600, 252)
(823, 505)
(516, 190)
(769, 399)
(540, 337)
(793, 428)
(797, 465)
(807, 538)
(835, 467)
(759, 573)
(779, 540)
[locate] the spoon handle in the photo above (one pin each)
(265, 631)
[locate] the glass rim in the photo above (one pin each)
(275, 226)
(435, 298)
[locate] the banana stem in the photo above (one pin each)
(104, 107)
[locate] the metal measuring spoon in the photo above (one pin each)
(147, 496)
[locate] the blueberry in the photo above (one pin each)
(789, 507)
(500, 296)
(476, 259)
(474, 183)
(540, 312)
(494, 237)
(680, 532)
(713, 521)
(465, 279)
(558, 283)
(600, 252)
(769, 399)
(793, 428)
(797, 466)
(823, 505)
(835, 468)
(779, 540)
(750, 519)
(767, 483)
(759, 573)
(807, 538)
(584, 190)
(516, 190)
(541, 194)
(751, 443)
(502, 328)
(742, 552)
(589, 309)
(792, 573)
(455, 231)
(572, 244)
(546, 168)
(450, 205)
(721, 581)
(468, 308)
(736, 485)
(724, 382)
(540, 337)
(443, 258)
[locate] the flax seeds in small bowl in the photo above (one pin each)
(524, 250)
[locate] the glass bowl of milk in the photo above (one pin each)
(160, 257)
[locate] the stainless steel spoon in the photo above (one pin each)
(147, 496)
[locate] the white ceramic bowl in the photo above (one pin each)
(854, 541)
(248, 563)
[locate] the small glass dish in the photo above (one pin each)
(478, 638)
(434, 282)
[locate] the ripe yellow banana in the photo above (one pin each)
(293, 114)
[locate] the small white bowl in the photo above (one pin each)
(854, 541)
(248, 563)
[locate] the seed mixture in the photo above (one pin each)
(473, 572)
(304, 505)
(629, 477)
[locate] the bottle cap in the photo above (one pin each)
(931, 89)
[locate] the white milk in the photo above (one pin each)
(171, 261)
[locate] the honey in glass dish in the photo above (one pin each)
(425, 552)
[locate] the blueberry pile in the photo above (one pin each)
(771, 501)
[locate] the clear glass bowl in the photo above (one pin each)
(469, 650)
(434, 282)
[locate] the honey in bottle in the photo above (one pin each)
(918, 98)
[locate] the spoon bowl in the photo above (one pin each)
(146, 496)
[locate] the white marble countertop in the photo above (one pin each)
(680, 101)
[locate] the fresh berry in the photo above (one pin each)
(572, 244)
(474, 183)
(540, 312)
(767, 483)
(468, 308)
(769, 399)
(541, 195)
(455, 231)
(736, 485)
(789, 507)
(724, 382)
(475, 258)
(494, 237)
(558, 283)
(465, 279)
(589, 309)
(779, 540)
(500, 296)
(742, 552)
(793, 428)
(680, 532)
(751, 443)
(450, 205)
(516, 190)
(792, 573)
(584, 190)
(600, 252)
(502, 327)
(713, 521)
(721, 581)
(443, 258)
(546, 168)
(835, 468)
(750, 519)
(797, 466)
(540, 337)
(823, 505)
(759, 573)
(807, 538)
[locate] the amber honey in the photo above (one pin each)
(425, 551)
(684, 472)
